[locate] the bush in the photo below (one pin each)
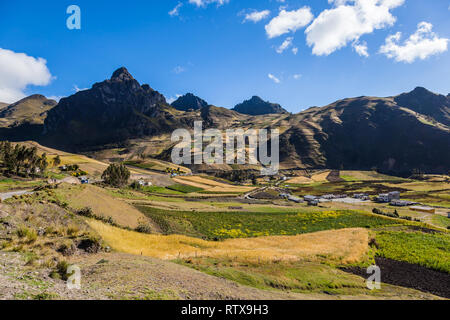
(61, 269)
(86, 212)
(135, 185)
(116, 175)
(143, 228)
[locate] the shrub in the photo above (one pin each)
(135, 185)
(143, 228)
(86, 212)
(61, 269)
(29, 234)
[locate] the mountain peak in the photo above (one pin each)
(189, 101)
(122, 74)
(421, 90)
(257, 106)
(427, 103)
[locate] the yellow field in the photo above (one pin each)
(344, 246)
(210, 185)
(319, 177)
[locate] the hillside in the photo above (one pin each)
(3, 105)
(188, 102)
(364, 133)
(257, 106)
(32, 110)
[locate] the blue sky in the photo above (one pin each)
(212, 51)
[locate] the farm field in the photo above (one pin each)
(210, 185)
(213, 229)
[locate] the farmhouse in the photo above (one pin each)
(388, 197)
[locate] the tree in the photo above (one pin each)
(116, 175)
(43, 164)
(56, 161)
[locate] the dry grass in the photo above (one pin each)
(102, 204)
(210, 185)
(343, 246)
(319, 177)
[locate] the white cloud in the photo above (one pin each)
(172, 99)
(297, 76)
(347, 22)
(295, 51)
(19, 70)
(76, 89)
(273, 78)
(176, 11)
(361, 48)
(179, 69)
(289, 21)
(420, 45)
(256, 16)
(285, 45)
(203, 3)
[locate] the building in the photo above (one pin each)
(388, 197)
(310, 198)
(423, 209)
(401, 203)
(329, 197)
(361, 196)
(394, 195)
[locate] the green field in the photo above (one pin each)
(184, 188)
(428, 250)
(224, 225)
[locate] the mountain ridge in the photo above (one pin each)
(394, 134)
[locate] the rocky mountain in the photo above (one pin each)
(112, 111)
(394, 134)
(32, 110)
(425, 102)
(188, 102)
(365, 133)
(257, 106)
